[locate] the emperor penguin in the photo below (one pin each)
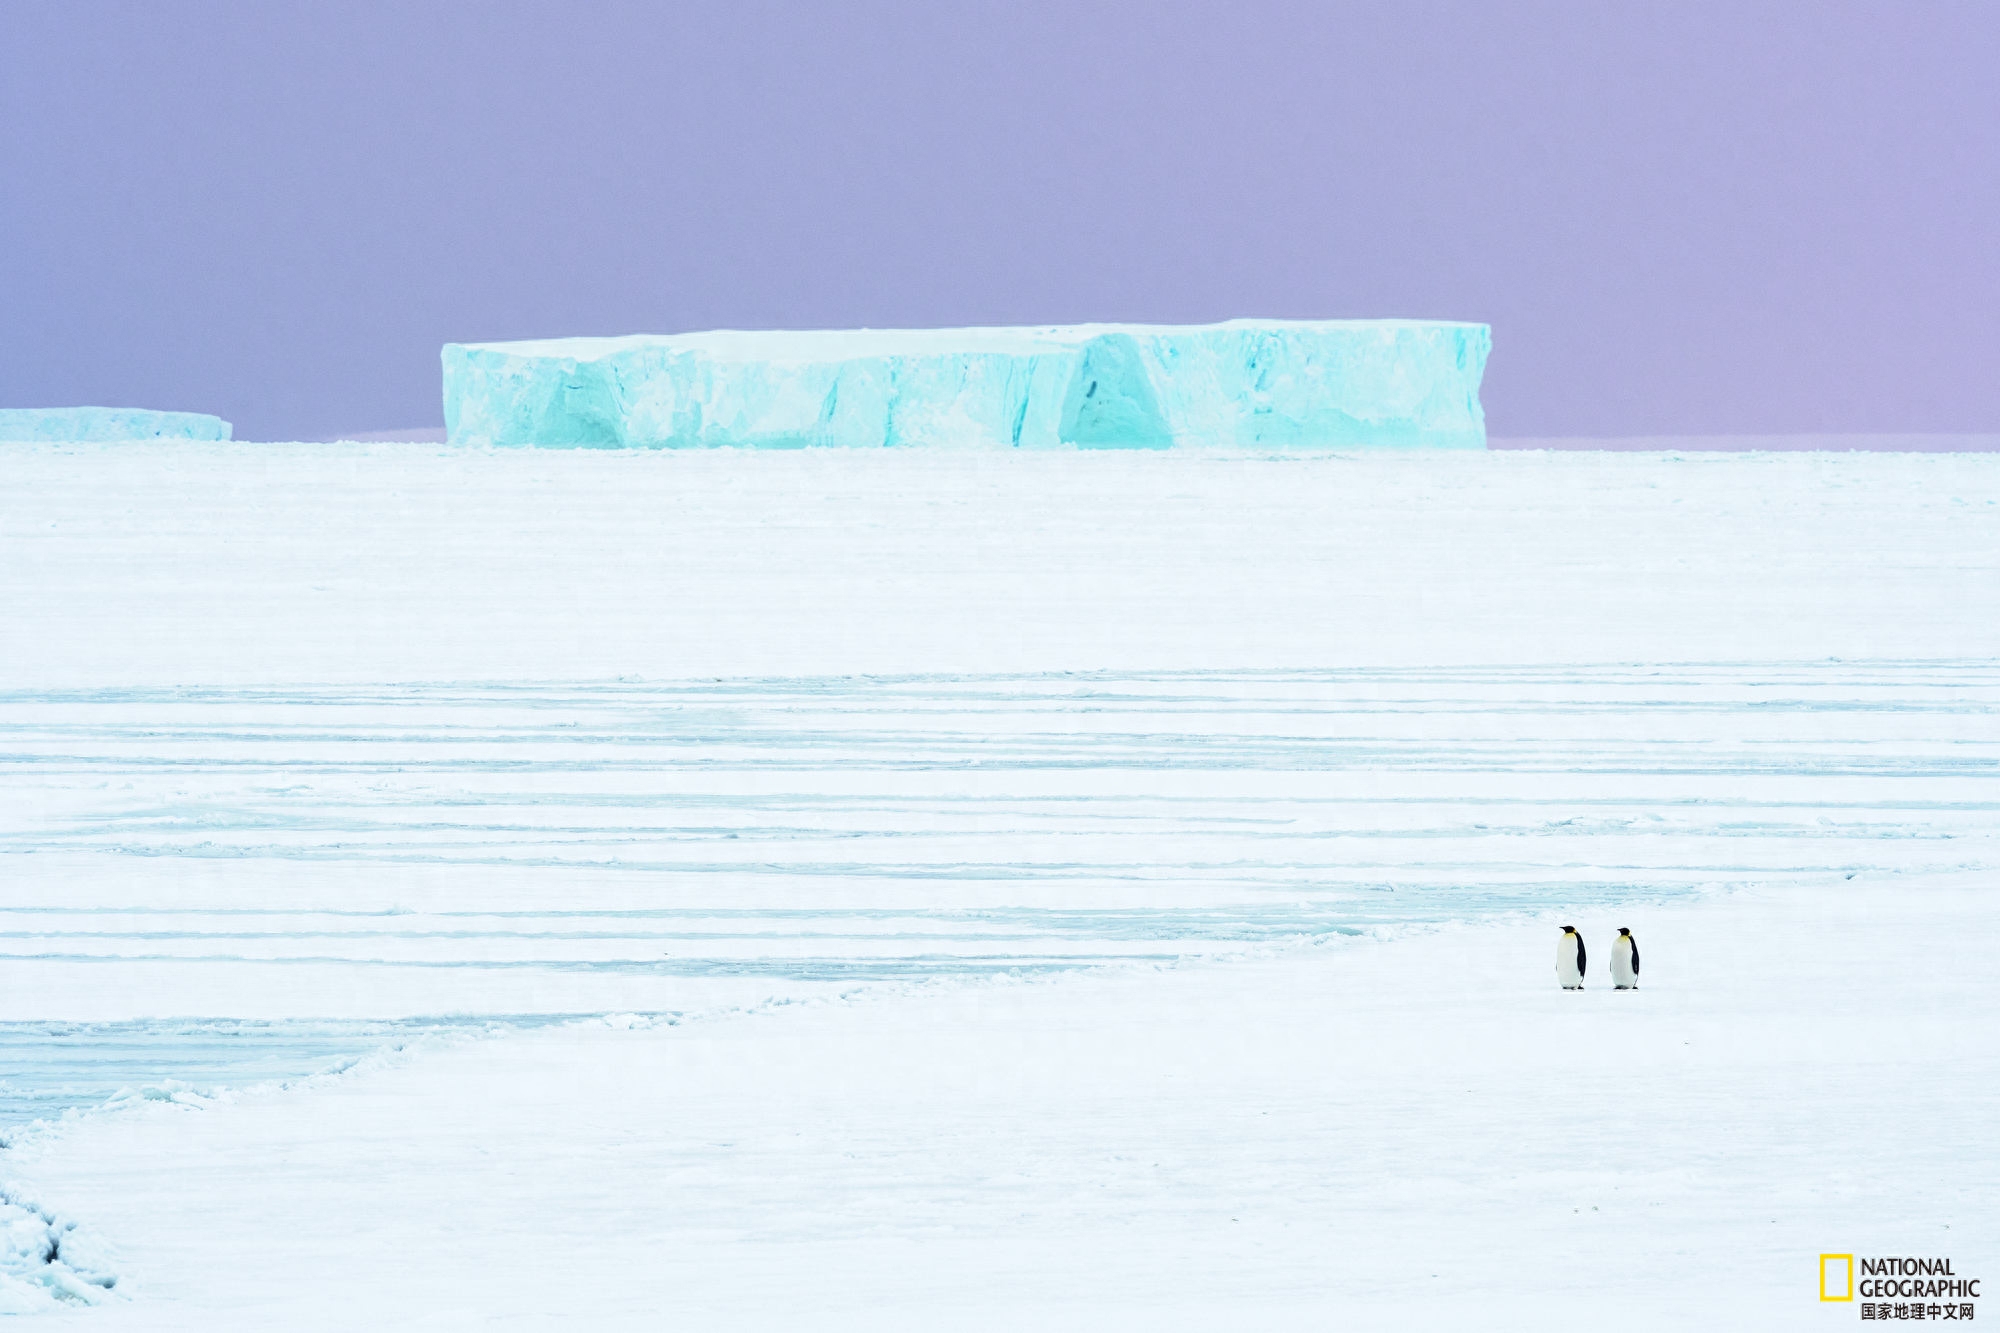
(1625, 961)
(1571, 960)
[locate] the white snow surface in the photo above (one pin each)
(1419, 1133)
(992, 891)
(264, 564)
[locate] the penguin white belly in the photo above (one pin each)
(1622, 971)
(1566, 968)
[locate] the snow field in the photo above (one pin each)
(953, 860)
(1415, 1132)
(299, 564)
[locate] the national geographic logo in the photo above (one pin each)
(1924, 1289)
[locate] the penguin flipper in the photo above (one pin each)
(1582, 957)
(1635, 956)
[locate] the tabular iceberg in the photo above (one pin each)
(1258, 384)
(82, 425)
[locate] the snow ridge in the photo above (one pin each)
(46, 1260)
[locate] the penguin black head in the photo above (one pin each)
(1623, 931)
(1569, 930)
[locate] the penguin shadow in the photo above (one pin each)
(1573, 960)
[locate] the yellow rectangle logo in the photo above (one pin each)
(1836, 1277)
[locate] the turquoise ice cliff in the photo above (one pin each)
(90, 424)
(1252, 384)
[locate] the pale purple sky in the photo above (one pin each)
(1693, 217)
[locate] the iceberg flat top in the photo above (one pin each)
(1256, 383)
(795, 345)
(101, 425)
